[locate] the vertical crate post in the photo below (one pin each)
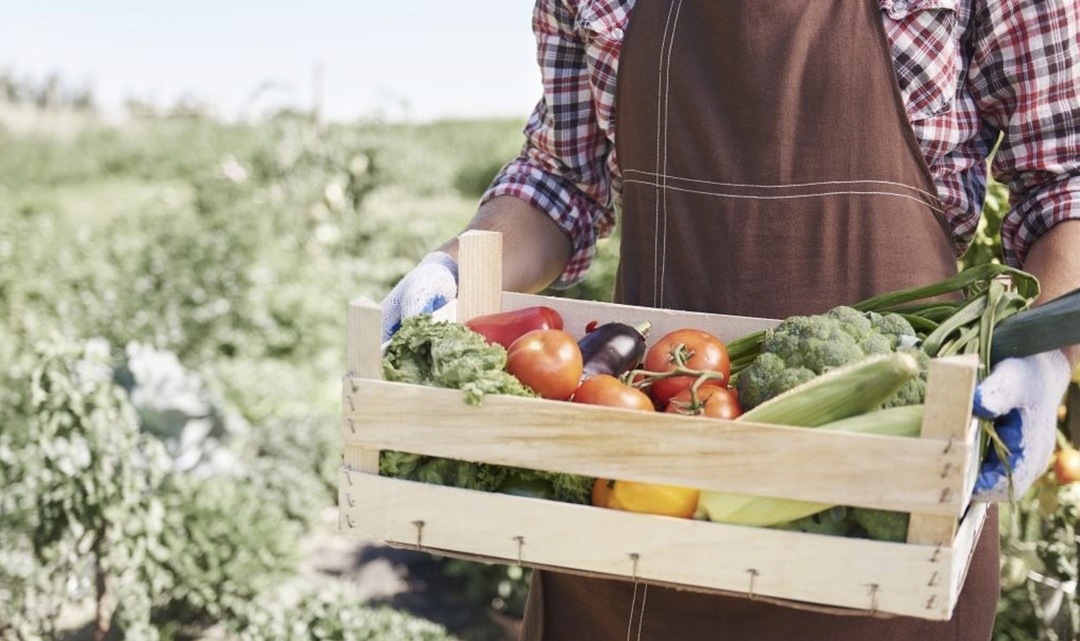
(479, 274)
(363, 360)
(949, 393)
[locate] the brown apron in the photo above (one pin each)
(768, 170)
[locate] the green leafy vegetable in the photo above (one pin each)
(445, 354)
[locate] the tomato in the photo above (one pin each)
(1067, 465)
(713, 401)
(605, 389)
(700, 350)
(649, 498)
(506, 327)
(601, 492)
(548, 361)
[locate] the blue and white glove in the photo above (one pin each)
(1022, 395)
(429, 286)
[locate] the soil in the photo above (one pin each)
(405, 580)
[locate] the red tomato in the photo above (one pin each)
(605, 389)
(701, 351)
(548, 361)
(1067, 465)
(713, 401)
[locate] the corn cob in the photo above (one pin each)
(843, 399)
(846, 391)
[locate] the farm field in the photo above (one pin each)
(174, 294)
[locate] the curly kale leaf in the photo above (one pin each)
(444, 354)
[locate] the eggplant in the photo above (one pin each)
(613, 348)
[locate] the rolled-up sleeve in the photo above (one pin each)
(1026, 78)
(563, 165)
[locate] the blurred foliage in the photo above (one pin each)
(170, 359)
(1039, 571)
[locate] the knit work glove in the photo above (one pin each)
(1022, 396)
(429, 286)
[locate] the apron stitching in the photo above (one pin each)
(783, 186)
(659, 123)
(792, 196)
(663, 189)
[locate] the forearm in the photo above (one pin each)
(535, 249)
(1055, 260)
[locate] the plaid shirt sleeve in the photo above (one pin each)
(1025, 76)
(563, 168)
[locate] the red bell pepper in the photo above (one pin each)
(506, 327)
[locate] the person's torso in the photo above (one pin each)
(926, 42)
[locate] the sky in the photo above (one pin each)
(397, 59)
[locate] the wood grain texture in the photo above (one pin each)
(479, 274)
(893, 578)
(949, 393)
(906, 474)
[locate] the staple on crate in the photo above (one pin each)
(949, 445)
(419, 533)
(352, 426)
(933, 580)
(521, 544)
(945, 472)
(931, 601)
(753, 575)
(937, 554)
(946, 494)
(634, 556)
(874, 587)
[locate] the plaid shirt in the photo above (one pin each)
(968, 70)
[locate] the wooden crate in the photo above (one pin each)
(930, 477)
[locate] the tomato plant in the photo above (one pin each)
(1067, 465)
(714, 401)
(548, 361)
(691, 348)
(604, 389)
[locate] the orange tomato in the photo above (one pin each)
(601, 492)
(605, 389)
(1067, 465)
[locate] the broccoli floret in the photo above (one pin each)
(790, 379)
(881, 525)
(756, 382)
(852, 320)
(895, 327)
(801, 347)
(875, 343)
(821, 357)
(914, 391)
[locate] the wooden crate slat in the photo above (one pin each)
(910, 579)
(577, 314)
(906, 474)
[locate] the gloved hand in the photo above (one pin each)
(1022, 395)
(429, 286)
